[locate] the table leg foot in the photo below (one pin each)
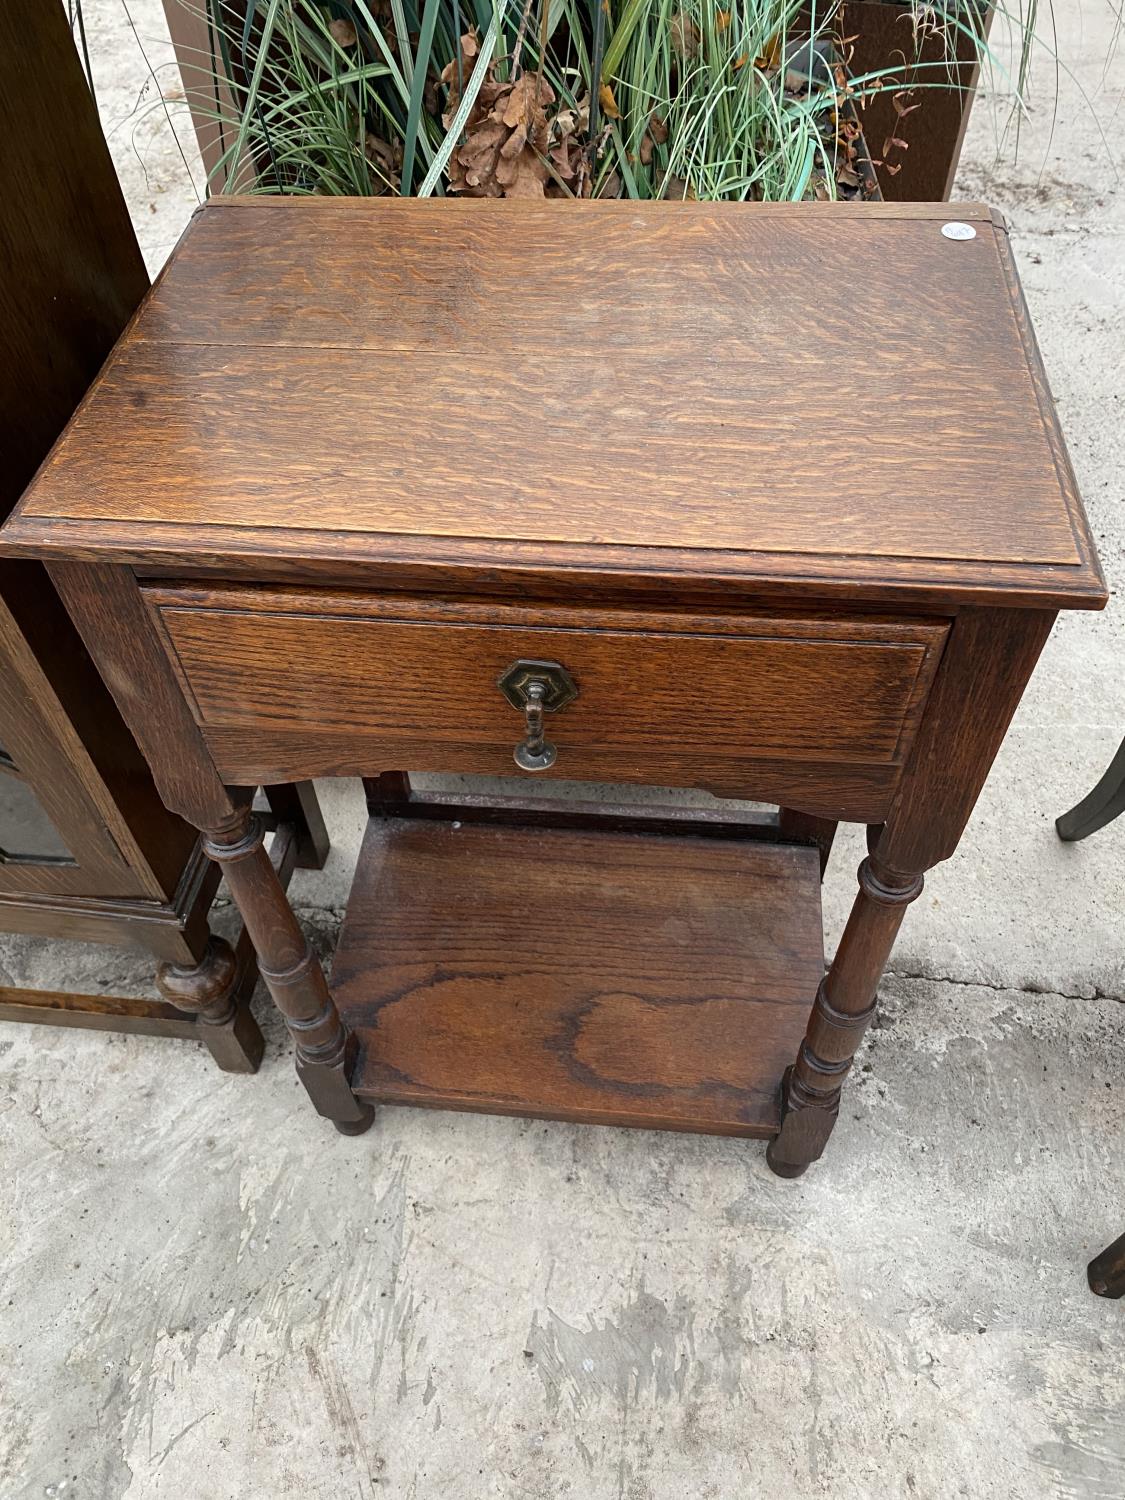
(807, 1118)
(1098, 807)
(208, 990)
(781, 1168)
(326, 1071)
(357, 1127)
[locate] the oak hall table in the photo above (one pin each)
(769, 500)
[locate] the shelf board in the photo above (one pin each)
(616, 978)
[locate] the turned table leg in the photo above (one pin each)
(845, 1003)
(208, 989)
(292, 972)
(986, 663)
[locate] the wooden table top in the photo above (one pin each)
(826, 398)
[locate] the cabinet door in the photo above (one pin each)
(58, 824)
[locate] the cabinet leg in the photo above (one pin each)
(845, 1003)
(209, 991)
(293, 975)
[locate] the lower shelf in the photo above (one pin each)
(617, 978)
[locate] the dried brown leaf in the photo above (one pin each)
(678, 188)
(506, 139)
(685, 35)
(771, 57)
(608, 102)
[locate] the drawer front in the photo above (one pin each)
(354, 673)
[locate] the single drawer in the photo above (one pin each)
(357, 683)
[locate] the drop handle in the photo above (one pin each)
(536, 688)
(536, 753)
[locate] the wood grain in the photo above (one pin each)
(543, 972)
(701, 388)
(109, 611)
(852, 793)
(782, 688)
(986, 666)
(691, 453)
(418, 276)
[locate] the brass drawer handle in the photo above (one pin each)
(537, 687)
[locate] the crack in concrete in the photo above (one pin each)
(1011, 989)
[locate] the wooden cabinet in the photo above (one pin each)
(727, 513)
(87, 848)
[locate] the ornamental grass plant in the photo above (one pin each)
(717, 99)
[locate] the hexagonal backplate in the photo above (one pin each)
(559, 684)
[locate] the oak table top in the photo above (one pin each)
(750, 393)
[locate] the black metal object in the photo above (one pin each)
(1098, 807)
(1106, 1272)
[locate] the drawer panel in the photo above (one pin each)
(706, 691)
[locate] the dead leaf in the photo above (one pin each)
(386, 160)
(658, 129)
(507, 134)
(343, 32)
(470, 48)
(679, 188)
(685, 35)
(608, 102)
(771, 57)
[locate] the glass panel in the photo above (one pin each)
(27, 835)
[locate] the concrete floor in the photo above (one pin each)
(207, 1294)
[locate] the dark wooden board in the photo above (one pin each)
(944, 64)
(71, 272)
(758, 391)
(621, 978)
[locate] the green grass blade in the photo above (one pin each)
(457, 124)
(417, 91)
